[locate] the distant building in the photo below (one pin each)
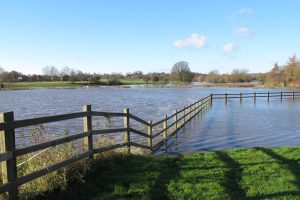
(35, 77)
(23, 78)
(64, 78)
(39, 78)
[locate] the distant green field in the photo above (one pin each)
(51, 84)
(38, 84)
(255, 173)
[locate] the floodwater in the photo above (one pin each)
(265, 123)
(231, 125)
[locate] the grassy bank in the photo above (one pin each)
(259, 173)
(45, 84)
(69, 84)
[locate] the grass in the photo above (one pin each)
(69, 84)
(46, 84)
(257, 173)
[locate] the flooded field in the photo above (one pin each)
(231, 125)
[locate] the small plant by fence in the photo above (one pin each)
(156, 137)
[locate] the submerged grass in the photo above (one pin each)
(256, 173)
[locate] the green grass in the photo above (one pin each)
(69, 84)
(46, 84)
(258, 173)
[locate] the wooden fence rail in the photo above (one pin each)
(256, 95)
(155, 135)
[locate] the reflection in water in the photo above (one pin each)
(250, 124)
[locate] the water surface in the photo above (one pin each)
(271, 123)
(264, 123)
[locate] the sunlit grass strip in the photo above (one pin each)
(254, 173)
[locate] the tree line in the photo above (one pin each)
(286, 75)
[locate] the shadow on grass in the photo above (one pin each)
(232, 177)
(168, 170)
(278, 195)
(291, 165)
(123, 177)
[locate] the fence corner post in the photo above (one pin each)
(87, 127)
(9, 167)
(150, 136)
(127, 132)
(211, 99)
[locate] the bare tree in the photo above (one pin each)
(66, 71)
(213, 76)
(50, 71)
(181, 72)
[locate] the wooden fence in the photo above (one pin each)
(255, 95)
(155, 138)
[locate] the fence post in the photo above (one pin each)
(225, 97)
(280, 95)
(8, 143)
(254, 96)
(150, 135)
(268, 96)
(183, 115)
(190, 112)
(293, 95)
(211, 99)
(241, 97)
(166, 131)
(87, 127)
(201, 105)
(126, 125)
(175, 118)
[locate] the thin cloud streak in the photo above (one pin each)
(229, 48)
(243, 32)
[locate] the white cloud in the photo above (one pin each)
(195, 40)
(229, 48)
(241, 13)
(243, 32)
(245, 11)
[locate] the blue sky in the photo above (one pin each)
(107, 36)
